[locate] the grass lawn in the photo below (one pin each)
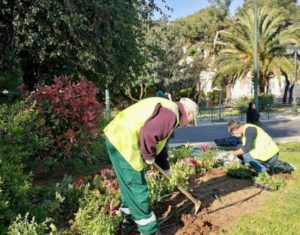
(281, 212)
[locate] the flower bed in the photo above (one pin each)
(99, 197)
(98, 207)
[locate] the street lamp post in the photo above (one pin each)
(107, 105)
(295, 82)
(294, 50)
(255, 72)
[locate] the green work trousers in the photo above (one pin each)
(134, 192)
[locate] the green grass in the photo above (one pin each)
(208, 113)
(280, 214)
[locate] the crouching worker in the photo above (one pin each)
(137, 134)
(258, 148)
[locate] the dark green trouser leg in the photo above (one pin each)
(134, 192)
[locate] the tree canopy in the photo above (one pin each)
(274, 34)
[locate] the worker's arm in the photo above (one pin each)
(162, 159)
(250, 135)
(157, 128)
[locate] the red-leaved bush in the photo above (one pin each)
(70, 112)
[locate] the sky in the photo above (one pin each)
(182, 8)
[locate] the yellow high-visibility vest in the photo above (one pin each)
(264, 146)
(124, 130)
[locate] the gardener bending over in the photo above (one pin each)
(258, 148)
(139, 133)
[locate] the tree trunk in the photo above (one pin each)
(129, 94)
(228, 94)
(142, 90)
(286, 89)
(215, 43)
(291, 94)
(267, 87)
(30, 70)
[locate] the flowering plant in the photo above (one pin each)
(98, 207)
(70, 113)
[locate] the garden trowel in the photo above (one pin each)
(196, 202)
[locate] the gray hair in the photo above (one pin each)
(190, 105)
(232, 125)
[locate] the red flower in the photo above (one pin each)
(79, 182)
(93, 174)
(192, 161)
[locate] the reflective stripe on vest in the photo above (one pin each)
(123, 132)
(143, 222)
(264, 146)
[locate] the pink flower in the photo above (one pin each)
(112, 210)
(106, 172)
(110, 185)
(203, 147)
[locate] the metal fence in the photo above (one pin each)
(221, 114)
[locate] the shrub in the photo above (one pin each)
(19, 145)
(242, 102)
(214, 97)
(290, 147)
(47, 202)
(182, 172)
(157, 186)
(207, 159)
(70, 113)
(25, 226)
(10, 80)
(97, 213)
(264, 100)
(179, 153)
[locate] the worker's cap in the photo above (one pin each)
(190, 105)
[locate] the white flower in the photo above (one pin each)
(5, 92)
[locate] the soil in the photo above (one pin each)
(224, 200)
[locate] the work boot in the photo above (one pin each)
(127, 226)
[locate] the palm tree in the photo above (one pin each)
(235, 60)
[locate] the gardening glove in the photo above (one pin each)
(231, 157)
(168, 172)
(150, 161)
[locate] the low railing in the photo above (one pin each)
(221, 114)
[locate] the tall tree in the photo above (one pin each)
(97, 39)
(236, 57)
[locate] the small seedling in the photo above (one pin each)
(270, 183)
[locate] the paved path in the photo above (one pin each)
(282, 130)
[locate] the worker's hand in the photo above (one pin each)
(231, 156)
(150, 161)
(168, 172)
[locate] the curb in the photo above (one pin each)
(286, 118)
(213, 144)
